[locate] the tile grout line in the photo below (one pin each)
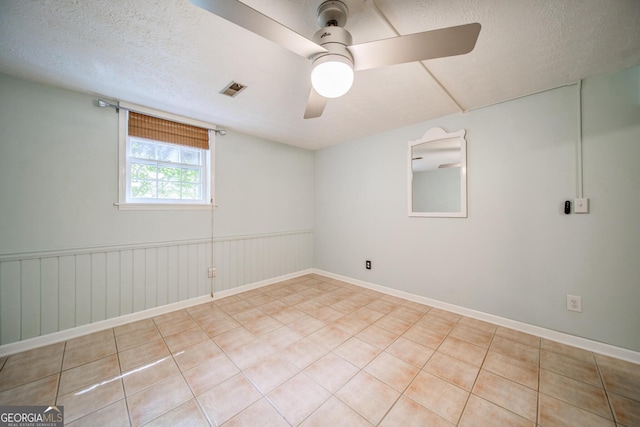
(395, 402)
(195, 398)
(476, 379)
(126, 397)
(193, 395)
(600, 377)
(240, 371)
(383, 350)
(64, 350)
(124, 391)
(604, 388)
(435, 351)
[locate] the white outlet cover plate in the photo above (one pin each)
(581, 205)
(574, 303)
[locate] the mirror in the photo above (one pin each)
(438, 174)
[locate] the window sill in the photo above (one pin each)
(163, 207)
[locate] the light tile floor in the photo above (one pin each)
(314, 351)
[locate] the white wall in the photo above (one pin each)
(516, 255)
(69, 257)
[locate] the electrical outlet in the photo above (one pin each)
(574, 303)
(367, 265)
(212, 272)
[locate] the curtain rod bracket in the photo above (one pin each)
(102, 104)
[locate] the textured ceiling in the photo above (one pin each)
(173, 56)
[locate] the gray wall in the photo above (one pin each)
(516, 255)
(58, 179)
(262, 186)
(64, 247)
(69, 257)
(59, 176)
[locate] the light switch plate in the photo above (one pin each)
(581, 205)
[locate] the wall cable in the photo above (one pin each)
(579, 177)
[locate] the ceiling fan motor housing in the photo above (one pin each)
(335, 40)
(332, 13)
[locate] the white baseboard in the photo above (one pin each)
(256, 285)
(583, 343)
(67, 334)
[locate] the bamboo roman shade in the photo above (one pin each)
(144, 126)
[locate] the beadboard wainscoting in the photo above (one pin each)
(242, 260)
(47, 292)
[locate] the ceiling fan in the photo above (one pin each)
(334, 56)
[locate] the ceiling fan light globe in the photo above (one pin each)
(332, 78)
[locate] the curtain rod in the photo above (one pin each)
(102, 103)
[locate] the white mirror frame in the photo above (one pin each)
(433, 135)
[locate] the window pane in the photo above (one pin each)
(143, 150)
(143, 171)
(143, 189)
(192, 192)
(169, 174)
(168, 153)
(191, 175)
(190, 156)
(168, 190)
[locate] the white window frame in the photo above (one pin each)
(123, 177)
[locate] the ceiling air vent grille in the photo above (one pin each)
(232, 89)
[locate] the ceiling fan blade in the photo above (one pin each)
(440, 43)
(315, 105)
(254, 21)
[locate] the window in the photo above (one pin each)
(162, 172)
(164, 164)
